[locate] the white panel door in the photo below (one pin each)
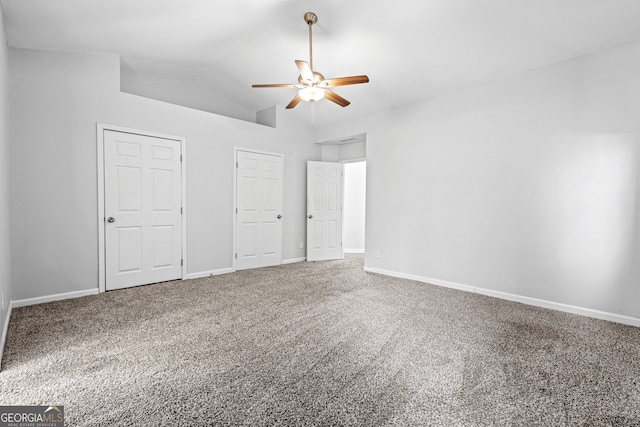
(143, 196)
(324, 211)
(259, 202)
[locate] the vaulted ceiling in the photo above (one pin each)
(207, 53)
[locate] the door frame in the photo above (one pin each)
(341, 180)
(100, 129)
(344, 162)
(235, 199)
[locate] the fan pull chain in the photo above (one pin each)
(313, 115)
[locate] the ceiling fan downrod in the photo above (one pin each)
(310, 18)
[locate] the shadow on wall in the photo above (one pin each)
(591, 204)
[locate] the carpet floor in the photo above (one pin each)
(321, 343)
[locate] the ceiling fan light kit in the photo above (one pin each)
(312, 85)
(311, 94)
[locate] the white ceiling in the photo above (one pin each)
(411, 49)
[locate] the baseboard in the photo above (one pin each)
(5, 329)
(567, 308)
(354, 251)
(55, 297)
(442, 283)
(202, 274)
(588, 312)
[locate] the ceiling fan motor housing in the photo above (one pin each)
(317, 78)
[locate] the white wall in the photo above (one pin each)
(139, 77)
(5, 258)
(343, 152)
(528, 185)
(56, 101)
(355, 178)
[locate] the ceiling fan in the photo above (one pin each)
(313, 86)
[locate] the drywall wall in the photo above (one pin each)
(355, 178)
(343, 152)
(527, 185)
(56, 101)
(183, 84)
(5, 252)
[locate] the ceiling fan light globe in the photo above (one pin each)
(311, 94)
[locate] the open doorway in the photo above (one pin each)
(355, 176)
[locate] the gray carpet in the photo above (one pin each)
(320, 343)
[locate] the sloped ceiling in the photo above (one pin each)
(208, 53)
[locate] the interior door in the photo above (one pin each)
(324, 211)
(143, 196)
(259, 203)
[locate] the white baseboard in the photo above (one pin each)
(55, 297)
(201, 274)
(5, 329)
(588, 312)
(354, 251)
(442, 283)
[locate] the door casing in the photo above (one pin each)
(322, 207)
(100, 129)
(235, 198)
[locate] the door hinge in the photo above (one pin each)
(236, 255)
(180, 158)
(236, 210)
(181, 262)
(180, 210)
(236, 165)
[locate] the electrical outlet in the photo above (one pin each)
(301, 245)
(377, 254)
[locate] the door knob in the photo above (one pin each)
(111, 219)
(310, 216)
(279, 216)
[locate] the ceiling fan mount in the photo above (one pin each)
(312, 85)
(310, 18)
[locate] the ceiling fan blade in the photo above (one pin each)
(276, 85)
(343, 81)
(295, 101)
(334, 97)
(305, 70)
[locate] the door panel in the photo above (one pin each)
(143, 197)
(129, 246)
(163, 245)
(259, 198)
(128, 189)
(324, 211)
(163, 197)
(271, 242)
